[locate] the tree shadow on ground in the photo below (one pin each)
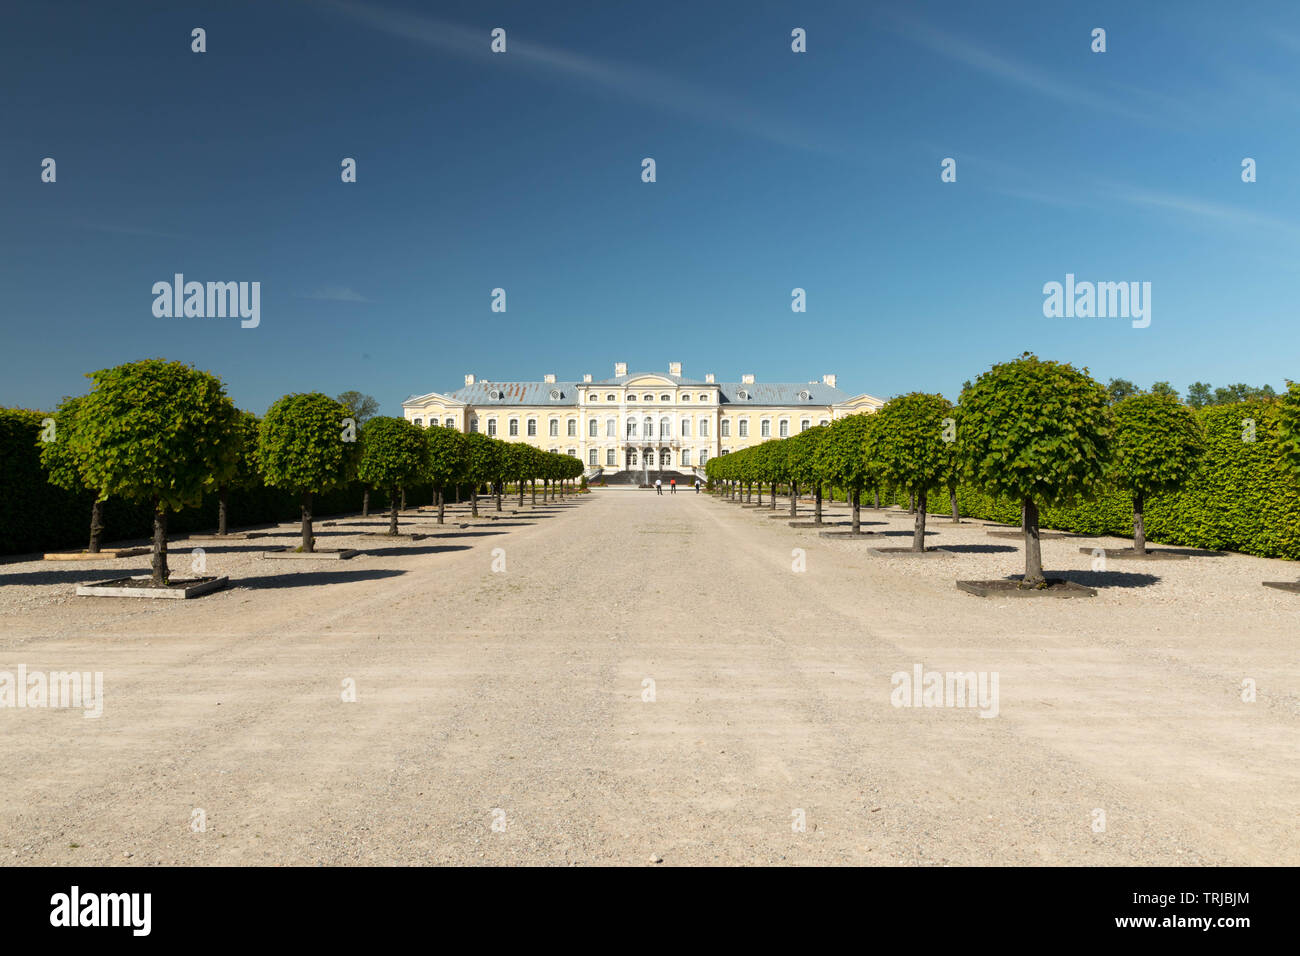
(900, 534)
(415, 549)
(462, 534)
(308, 579)
(77, 575)
(1100, 579)
(979, 548)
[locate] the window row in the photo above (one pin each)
(611, 397)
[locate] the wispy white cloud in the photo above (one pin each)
(1008, 70)
(1220, 213)
(659, 90)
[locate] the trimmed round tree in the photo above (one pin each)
(1288, 415)
(482, 463)
(302, 448)
(241, 470)
(842, 455)
(1155, 448)
(1037, 432)
(907, 439)
(157, 432)
(445, 462)
(808, 466)
(63, 470)
(393, 453)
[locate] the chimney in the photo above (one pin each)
(747, 379)
(469, 379)
(675, 368)
(549, 378)
(828, 380)
(586, 378)
(620, 368)
(709, 378)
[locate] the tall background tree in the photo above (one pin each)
(303, 447)
(1156, 444)
(1037, 432)
(907, 440)
(62, 468)
(393, 454)
(445, 463)
(154, 431)
(361, 408)
(843, 455)
(240, 471)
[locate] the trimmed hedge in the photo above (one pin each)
(35, 516)
(1239, 499)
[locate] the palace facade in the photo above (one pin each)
(638, 422)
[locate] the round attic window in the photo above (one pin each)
(495, 394)
(743, 395)
(805, 395)
(555, 394)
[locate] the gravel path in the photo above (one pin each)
(521, 691)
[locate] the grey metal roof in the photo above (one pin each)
(781, 393)
(623, 379)
(517, 393)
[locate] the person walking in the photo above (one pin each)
(697, 486)
(659, 486)
(672, 486)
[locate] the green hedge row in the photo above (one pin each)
(1240, 499)
(36, 516)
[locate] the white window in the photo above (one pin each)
(704, 397)
(573, 453)
(686, 397)
(665, 428)
(726, 428)
(593, 430)
(591, 457)
(473, 424)
(514, 428)
(555, 428)
(451, 423)
(648, 427)
(631, 428)
(492, 426)
(686, 428)
(593, 398)
(611, 429)
(665, 457)
(704, 457)
(419, 421)
(805, 424)
(532, 428)
(784, 428)
(765, 429)
(686, 457)
(573, 428)
(704, 428)
(665, 398)
(631, 398)
(744, 428)
(609, 457)
(823, 422)
(609, 398)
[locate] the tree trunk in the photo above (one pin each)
(365, 503)
(1033, 547)
(857, 512)
(501, 487)
(392, 514)
(1139, 527)
(918, 532)
(521, 492)
(911, 502)
(952, 500)
(96, 525)
(160, 573)
(760, 494)
(533, 483)
(403, 498)
(817, 504)
(473, 500)
(221, 509)
(773, 505)
(794, 498)
(876, 492)
(308, 539)
(442, 503)
(1024, 517)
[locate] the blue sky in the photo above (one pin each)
(522, 171)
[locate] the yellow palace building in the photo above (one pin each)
(640, 422)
